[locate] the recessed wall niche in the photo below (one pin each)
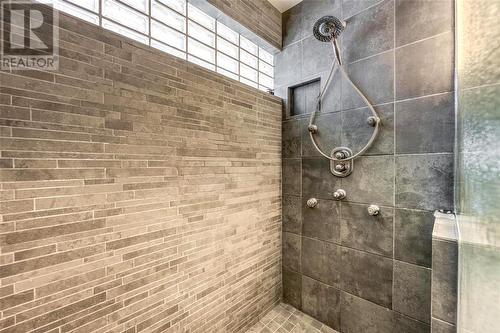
(303, 97)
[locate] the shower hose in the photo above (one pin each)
(337, 64)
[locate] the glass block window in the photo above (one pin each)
(183, 30)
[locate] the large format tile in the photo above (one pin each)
(367, 275)
(317, 56)
(412, 291)
(292, 287)
(424, 181)
(425, 125)
(439, 326)
(369, 33)
(353, 7)
(288, 65)
(361, 316)
(317, 179)
(323, 221)
(364, 232)
(405, 324)
(321, 261)
(444, 280)
(327, 137)
(292, 25)
(291, 174)
(372, 181)
(291, 146)
(374, 76)
(356, 132)
(413, 236)
(291, 251)
(332, 98)
(416, 20)
(425, 67)
(292, 214)
(321, 301)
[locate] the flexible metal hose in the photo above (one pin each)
(337, 64)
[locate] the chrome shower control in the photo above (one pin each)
(339, 194)
(312, 128)
(340, 155)
(373, 210)
(339, 166)
(312, 202)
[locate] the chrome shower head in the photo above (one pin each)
(327, 28)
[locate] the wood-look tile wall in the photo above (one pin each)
(139, 193)
(257, 15)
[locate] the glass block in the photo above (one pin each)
(200, 17)
(125, 16)
(227, 33)
(200, 62)
(227, 62)
(266, 68)
(177, 5)
(249, 46)
(227, 73)
(266, 56)
(168, 16)
(77, 12)
(248, 72)
(168, 49)
(266, 81)
(167, 35)
(124, 31)
(248, 82)
(92, 5)
(201, 51)
(203, 35)
(248, 59)
(141, 5)
(227, 48)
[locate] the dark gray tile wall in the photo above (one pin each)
(374, 271)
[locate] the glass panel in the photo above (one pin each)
(266, 56)
(126, 16)
(200, 17)
(168, 49)
(248, 72)
(227, 62)
(266, 68)
(141, 5)
(227, 73)
(78, 12)
(200, 62)
(124, 31)
(168, 35)
(227, 48)
(92, 5)
(168, 17)
(248, 59)
(201, 51)
(177, 5)
(248, 82)
(227, 33)
(266, 81)
(248, 45)
(201, 34)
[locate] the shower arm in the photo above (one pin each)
(337, 64)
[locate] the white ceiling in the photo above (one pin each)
(283, 5)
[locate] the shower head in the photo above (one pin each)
(327, 28)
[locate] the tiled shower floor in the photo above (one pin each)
(286, 319)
